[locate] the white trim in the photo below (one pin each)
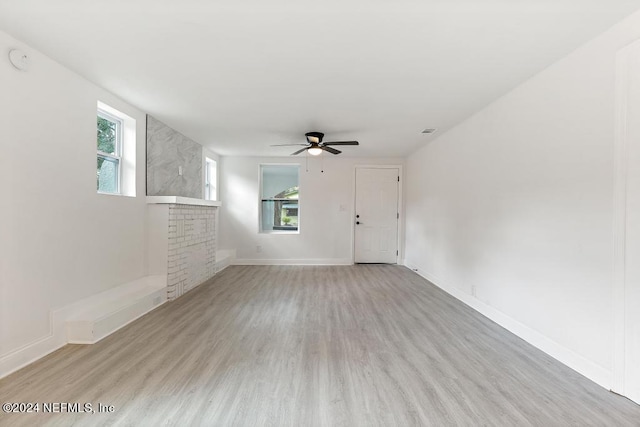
(179, 200)
(400, 253)
(224, 258)
(285, 232)
(260, 200)
(126, 149)
(620, 183)
(619, 219)
(37, 349)
(71, 335)
(589, 369)
(221, 267)
(206, 153)
(309, 261)
(57, 336)
(210, 181)
(117, 156)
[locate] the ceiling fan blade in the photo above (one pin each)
(341, 143)
(299, 151)
(331, 150)
(285, 145)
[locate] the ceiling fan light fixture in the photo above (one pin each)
(315, 151)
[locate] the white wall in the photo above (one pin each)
(326, 211)
(515, 205)
(60, 241)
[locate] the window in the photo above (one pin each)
(279, 204)
(210, 174)
(116, 152)
(109, 153)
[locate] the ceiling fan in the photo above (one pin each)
(315, 146)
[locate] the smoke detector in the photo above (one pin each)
(19, 59)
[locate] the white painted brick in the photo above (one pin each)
(191, 259)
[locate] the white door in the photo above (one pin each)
(376, 229)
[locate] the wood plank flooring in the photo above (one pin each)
(360, 345)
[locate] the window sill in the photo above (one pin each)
(179, 200)
(280, 232)
(130, 196)
(285, 228)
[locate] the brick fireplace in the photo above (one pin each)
(182, 241)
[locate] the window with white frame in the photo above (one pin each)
(109, 144)
(116, 152)
(210, 179)
(279, 199)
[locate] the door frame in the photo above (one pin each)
(620, 191)
(400, 239)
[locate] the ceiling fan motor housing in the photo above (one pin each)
(314, 137)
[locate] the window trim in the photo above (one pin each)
(261, 199)
(118, 148)
(207, 179)
(129, 150)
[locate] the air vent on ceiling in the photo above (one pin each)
(429, 130)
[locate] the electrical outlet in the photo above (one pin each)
(473, 290)
(258, 249)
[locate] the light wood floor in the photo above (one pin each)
(295, 346)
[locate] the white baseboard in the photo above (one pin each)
(26, 355)
(39, 348)
(29, 353)
(573, 360)
(224, 258)
(59, 320)
(309, 261)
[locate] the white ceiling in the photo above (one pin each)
(237, 76)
